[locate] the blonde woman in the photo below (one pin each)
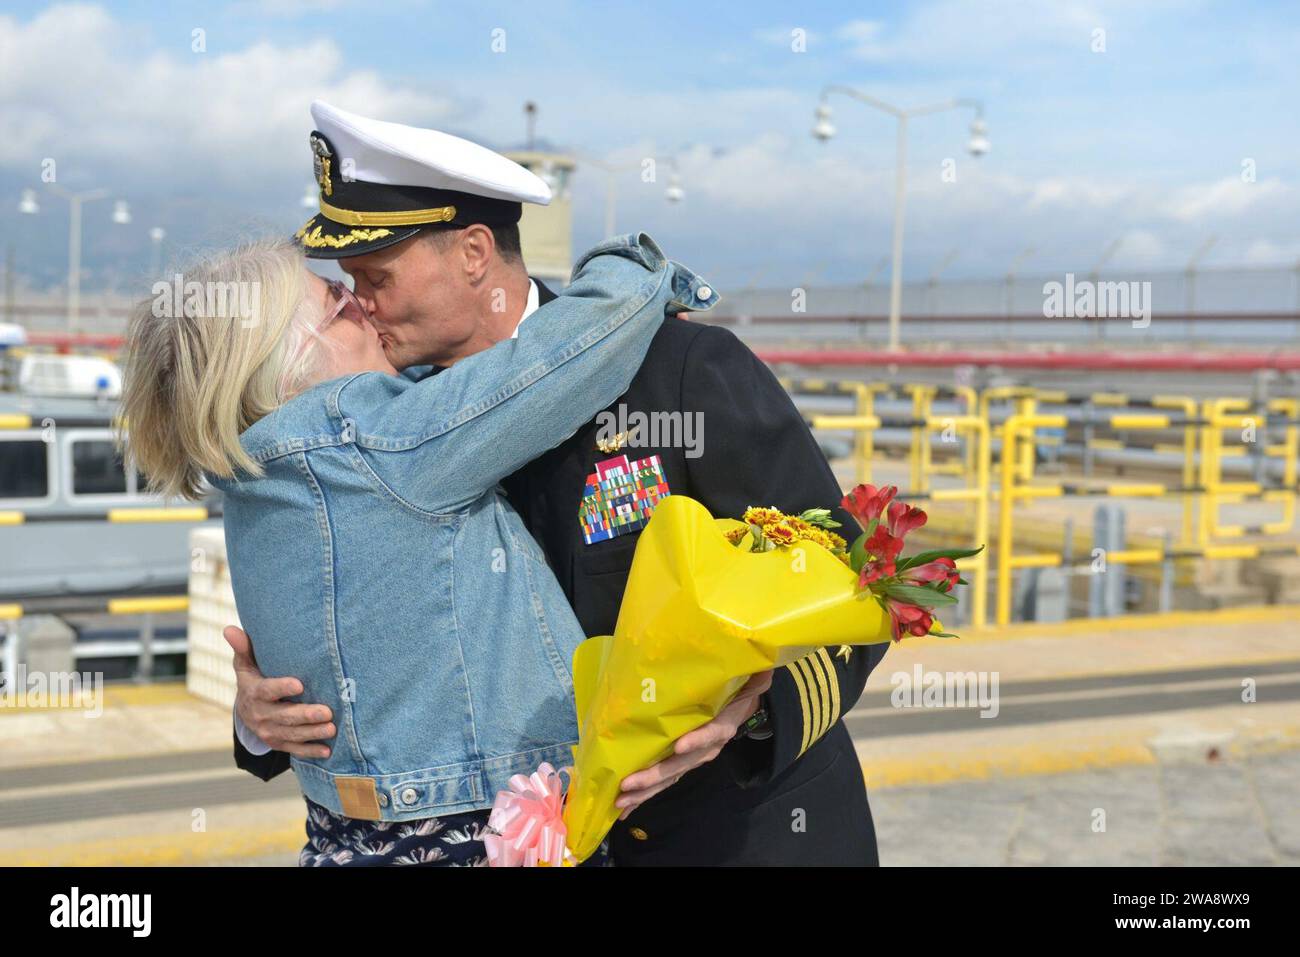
(371, 551)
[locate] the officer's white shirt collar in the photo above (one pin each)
(529, 308)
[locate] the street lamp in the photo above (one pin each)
(611, 171)
(978, 145)
(674, 193)
(121, 216)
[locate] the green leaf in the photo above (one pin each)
(858, 553)
(917, 594)
(944, 634)
(924, 558)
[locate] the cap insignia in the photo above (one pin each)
(321, 161)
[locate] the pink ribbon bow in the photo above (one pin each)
(527, 822)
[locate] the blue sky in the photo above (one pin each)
(1144, 141)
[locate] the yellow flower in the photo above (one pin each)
(780, 533)
(736, 534)
(757, 515)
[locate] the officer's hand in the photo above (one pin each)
(695, 747)
(283, 726)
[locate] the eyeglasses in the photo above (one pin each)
(344, 297)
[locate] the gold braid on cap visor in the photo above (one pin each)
(404, 217)
(316, 239)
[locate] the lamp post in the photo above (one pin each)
(978, 145)
(121, 216)
(674, 193)
(611, 171)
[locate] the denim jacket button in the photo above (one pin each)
(410, 796)
(383, 799)
(705, 293)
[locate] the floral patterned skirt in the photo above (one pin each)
(453, 840)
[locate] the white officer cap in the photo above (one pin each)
(381, 183)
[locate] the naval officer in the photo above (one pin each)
(435, 257)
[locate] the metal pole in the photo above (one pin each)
(1167, 573)
(896, 280)
(824, 131)
(144, 669)
(13, 655)
(1191, 272)
(934, 277)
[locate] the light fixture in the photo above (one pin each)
(28, 203)
(823, 129)
(121, 212)
(979, 140)
(674, 193)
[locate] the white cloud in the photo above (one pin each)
(1224, 198)
(864, 38)
(1140, 246)
(1264, 252)
(785, 36)
(71, 90)
(957, 31)
(226, 131)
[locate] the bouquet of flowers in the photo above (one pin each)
(708, 603)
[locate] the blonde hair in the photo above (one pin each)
(215, 349)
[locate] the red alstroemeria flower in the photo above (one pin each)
(882, 549)
(939, 570)
(881, 545)
(905, 619)
(867, 503)
(904, 518)
(874, 571)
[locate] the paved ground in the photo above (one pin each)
(1225, 813)
(1141, 720)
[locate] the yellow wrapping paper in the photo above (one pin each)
(699, 616)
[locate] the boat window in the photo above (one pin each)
(24, 468)
(97, 468)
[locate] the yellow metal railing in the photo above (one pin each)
(1200, 488)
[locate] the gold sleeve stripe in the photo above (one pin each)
(824, 690)
(834, 680)
(817, 708)
(805, 703)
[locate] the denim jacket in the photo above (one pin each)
(377, 560)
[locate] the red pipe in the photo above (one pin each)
(1113, 361)
(63, 340)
